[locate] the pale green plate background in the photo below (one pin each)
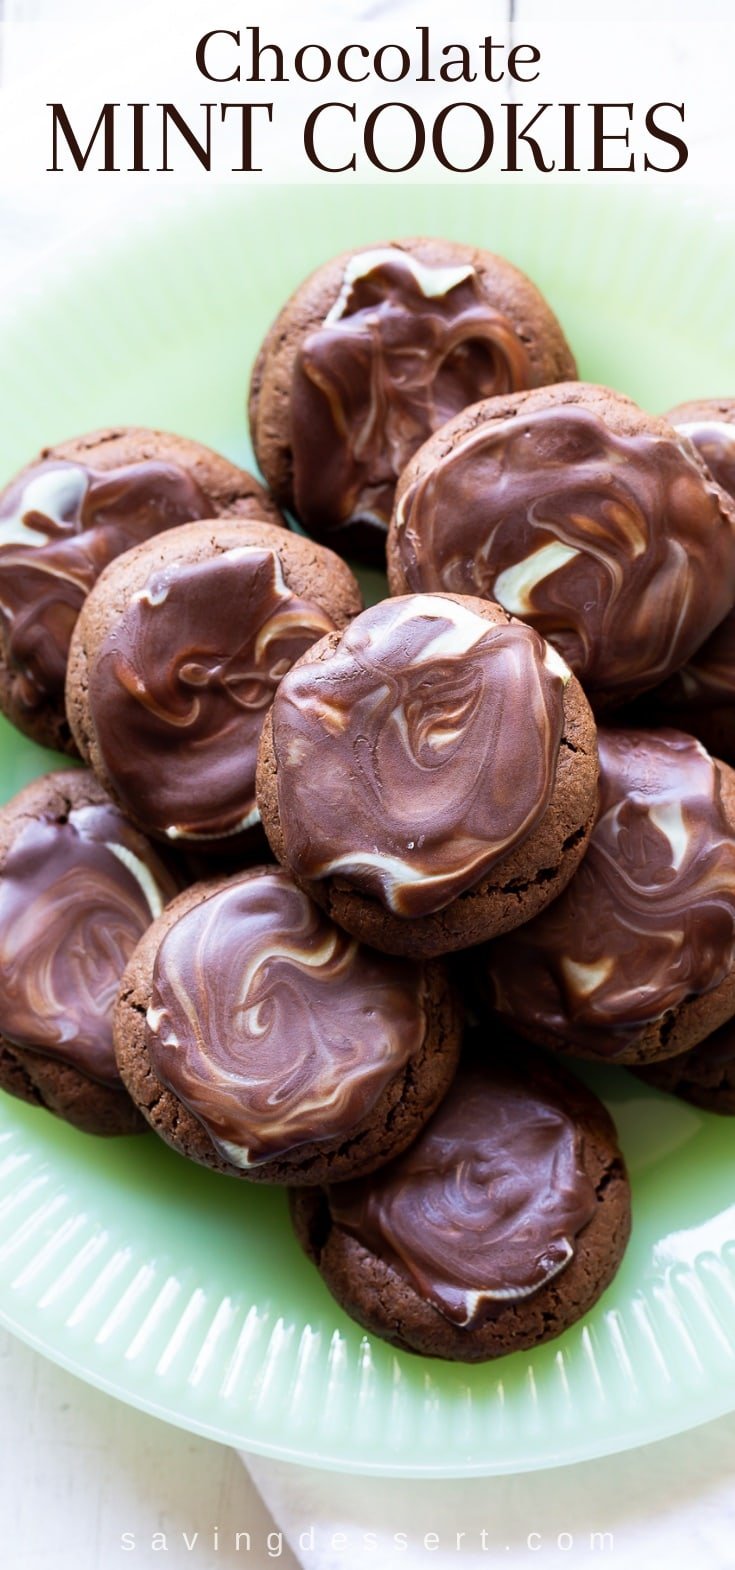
(183, 1292)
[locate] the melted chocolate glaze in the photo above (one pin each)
(405, 347)
(648, 919)
(273, 1027)
(181, 685)
(708, 679)
(60, 525)
(76, 896)
(614, 547)
(419, 753)
(485, 1207)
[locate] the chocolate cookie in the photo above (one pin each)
(497, 1230)
(700, 697)
(591, 520)
(63, 518)
(429, 775)
(78, 888)
(175, 660)
(257, 1039)
(636, 960)
(705, 1075)
(372, 353)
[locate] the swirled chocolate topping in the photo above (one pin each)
(181, 685)
(273, 1027)
(404, 348)
(648, 918)
(614, 547)
(715, 442)
(485, 1208)
(708, 679)
(420, 753)
(60, 525)
(76, 896)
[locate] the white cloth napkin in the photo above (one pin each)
(670, 1504)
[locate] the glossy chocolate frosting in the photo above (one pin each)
(76, 896)
(60, 525)
(405, 347)
(181, 684)
(614, 547)
(708, 679)
(648, 919)
(273, 1027)
(419, 753)
(485, 1207)
(715, 442)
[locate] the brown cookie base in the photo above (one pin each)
(505, 288)
(37, 1077)
(513, 891)
(233, 492)
(705, 1076)
(43, 1082)
(373, 1293)
(393, 1123)
(310, 571)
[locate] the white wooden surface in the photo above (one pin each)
(77, 1470)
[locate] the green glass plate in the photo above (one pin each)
(185, 1293)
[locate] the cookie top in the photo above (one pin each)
(648, 920)
(175, 661)
(707, 681)
(270, 1025)
(384, 345)
(417, 750)
(485, 1208)
(709, 423)
(79, 885)
(67, 515)
(501, 1225)
(591, 520)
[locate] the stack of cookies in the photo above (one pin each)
(338, 889)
